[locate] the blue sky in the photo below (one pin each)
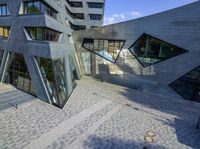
(122, 10)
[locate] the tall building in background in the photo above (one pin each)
(37, 53)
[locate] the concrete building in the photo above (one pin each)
(158, 53)
(37, 51)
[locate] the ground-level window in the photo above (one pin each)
(189, 85)
(18, 74)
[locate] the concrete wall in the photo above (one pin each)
(180, 27)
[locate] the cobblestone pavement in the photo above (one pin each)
(97, 116)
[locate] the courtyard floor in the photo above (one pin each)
(98, 116)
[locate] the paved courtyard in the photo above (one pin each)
(97, 116)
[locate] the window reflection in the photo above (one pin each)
(189, 85)
(4, 10)
(37, 7)
(54, 77)
(18, 74)
(149, 50)
(4, 32)
(108, 49)
(43, 34)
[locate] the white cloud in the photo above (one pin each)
(135, 14)
(121, 17)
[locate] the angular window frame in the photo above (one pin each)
(99, 39)
(182, 77)
(46, 34)
(43, 8)
(145, 34)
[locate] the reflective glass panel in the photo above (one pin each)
(43, 34)
(18, 74)
(189, 85)
(149, 50)
(108, 49)
(54, 77)
(4, 32)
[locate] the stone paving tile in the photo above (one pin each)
(171, 118)
(76, 131)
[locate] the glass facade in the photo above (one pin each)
(149, 50)
(37, 7)
(108, 49)
(53, 74)
(4, 10)
(4, 32)
(43, 34)
(189, 85)
(18, 74)
(95, 5)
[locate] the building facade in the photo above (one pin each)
(158, 53)
(37, 52)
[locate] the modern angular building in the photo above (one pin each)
(159, 53)
(37, 52)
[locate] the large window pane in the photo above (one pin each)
(18, 74)
(3, 10)
(149, 50)
(4, 32)
(108, 49)
(189, 85)
(43, 34)
(37, 7)
(54, 77)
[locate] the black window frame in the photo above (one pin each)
(145, 34)
(171, 85)
(109, 40)
(95, 5)
(48, 34)
(8, 28)
(44, 8)
(6, 10)
(96, 17)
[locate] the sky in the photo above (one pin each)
(123, 10)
